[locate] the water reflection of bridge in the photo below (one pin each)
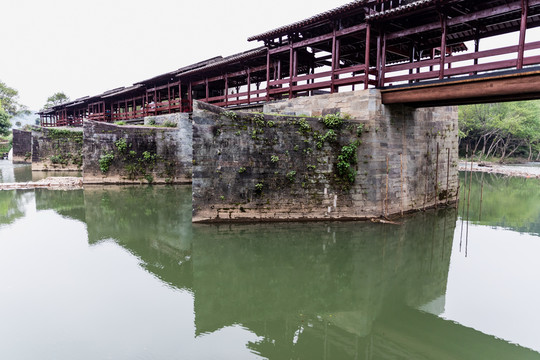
(317, 291)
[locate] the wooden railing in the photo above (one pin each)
(353, 75)
(482, 62)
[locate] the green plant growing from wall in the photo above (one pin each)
(345, 161)
(121, 145)
(330, 136)
(332, 121)
(304, 126)
(242, 170)
(259, 120)
(274, 158)
(259, 186)
(169, 124)
(231, 115)
(105, 161)
(291, 175)
(359, 130)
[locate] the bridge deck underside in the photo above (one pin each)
(508, 86)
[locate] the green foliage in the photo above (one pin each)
(291, 175)
(231, 115)
(121, 122)
(152, 122)
(345, 161)
(259, 186)
(502, 130)
(170, 124)
(63, 135)
(359, 130)
(242, 170)
(9, 101)
(149, 178)
(270, 123)
(274, 158)
(304, 126)
(5, 124)
(56, 99)
(332, 121)
(329, 136)
(121, 145)
(58, 159)
(105, 161)
(259, 120)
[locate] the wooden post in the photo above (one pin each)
(443, 46)
(268, 76)
(291, 70)
(334, 56)
(382, 59)
(190, 96)
(207, 90)
(522, 32)
(248, 73)
(226, 90)
(168, 97)
(366, 59)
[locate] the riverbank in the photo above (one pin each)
(60, 183)
(531, 170)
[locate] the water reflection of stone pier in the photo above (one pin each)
(337, 290)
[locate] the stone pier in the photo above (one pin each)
(298, 161)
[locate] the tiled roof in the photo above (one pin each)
(228, 60)
(316, 18)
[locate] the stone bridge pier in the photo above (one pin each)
(298, 161)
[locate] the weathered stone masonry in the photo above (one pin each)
(22, 146)
(135, 154)
(271, 167)
(57, 149)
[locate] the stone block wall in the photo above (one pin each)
(57, 149)
(137, 154)
(22, 146)
(245, 169)
(176, 119)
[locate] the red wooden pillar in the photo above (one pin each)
(180, 95)
(207, 90)
(443, 46)
(226, 90)
(366, 59)
(382, 58)
(334, 58)
(522, 32)
(248, 73)
(291, 70)
(190, 97)
(268, 76)
(169, 97)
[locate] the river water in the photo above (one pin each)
(121, 273)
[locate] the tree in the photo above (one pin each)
(56, 99)
(5, 124)
(9, 101)
(503, 129)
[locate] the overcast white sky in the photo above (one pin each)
(86, 47)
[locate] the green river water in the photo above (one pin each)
(121, 273)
